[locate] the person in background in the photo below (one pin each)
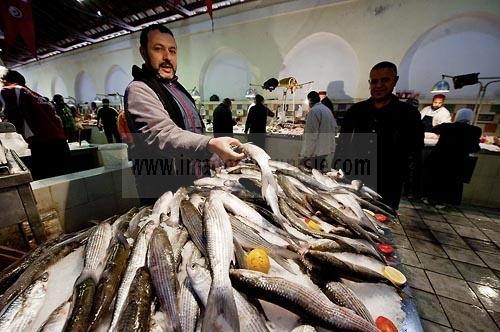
(449, 164)
(383, 132)
(319, 134)
(35, 119)
(435, 114)
(223, 119)
(66, 116)
(166, 128)
(107, 119)
(255, 126)
(325, 100)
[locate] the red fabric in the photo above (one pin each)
(177, 2)
(208, 3)
(123, 129)
(17, 20)
(38, 113)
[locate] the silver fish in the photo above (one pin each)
(95, 252)
(193, 221)
(221, 310)
(189, 311)
(249, 317)
(342, 295)
(133, 227)
(304, 328)
(57, 319)
(269, 184)
(21, 312)
(300, 300)
(162, 204)
(136, 260)
(161, 263)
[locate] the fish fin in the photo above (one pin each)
(239, 254)
(283, 263)
(87, 274)
(94, 222)
(166, 220)
(122, 239)
(284, 253)
(221, 313)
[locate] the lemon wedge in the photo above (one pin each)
(314, 225)
(394, 276)
(258, 260)
(369, 212)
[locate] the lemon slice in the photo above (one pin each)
(314, 225)
(258, 260)
(394, 276)
(369, 212)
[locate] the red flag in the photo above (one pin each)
(17, 20)
(177, 2)
(208, 3)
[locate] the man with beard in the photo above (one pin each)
(383, 135)
(169, 149)
(435, 114)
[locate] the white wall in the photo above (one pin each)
(269, 39)
(85, 90)
(461, 45)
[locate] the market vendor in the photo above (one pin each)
(255, 126)
(223, 119)
(435, 114)
(383, 133)
(169, 149)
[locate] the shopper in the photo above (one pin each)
(449, 164)
(255, 125)
(167, 131)
(382, 134)
(223, 119)
(35, 119)
(107, 118)
(66, 116)
(325, 100)
(435, 114)
(318, 142)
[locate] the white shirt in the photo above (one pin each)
(319, 132)
(441, 115)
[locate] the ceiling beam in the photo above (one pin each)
(179, 9)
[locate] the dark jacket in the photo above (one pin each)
(165, 155)
(39, 114)
(385, 139)
(223, 121)
(257, 118)
(108, 116)
(449, 164)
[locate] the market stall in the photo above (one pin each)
(312, 248)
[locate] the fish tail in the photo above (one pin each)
(221, 313)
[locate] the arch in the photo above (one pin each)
(326, 59)
(227, 74)
(116, 80)
(85, 90)
(59, 87)
(467, 43)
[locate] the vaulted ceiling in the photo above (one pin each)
(64, 25)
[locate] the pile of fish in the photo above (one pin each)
(180, 265)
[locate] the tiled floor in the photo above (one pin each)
(452, 262)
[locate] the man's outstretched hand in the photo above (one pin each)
(223, 147)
